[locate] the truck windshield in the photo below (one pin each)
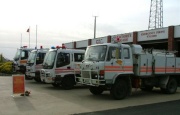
(96, 53)
(32, 57)
(17, 55)
(49, 60)
(21, 54)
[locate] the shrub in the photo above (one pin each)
(6, 67)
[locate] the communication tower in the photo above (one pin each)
(156, 14)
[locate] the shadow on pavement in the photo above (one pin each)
(23, 103)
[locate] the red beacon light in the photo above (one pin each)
(57, 47)
(24, 46)
(41, 47)
(63, 46)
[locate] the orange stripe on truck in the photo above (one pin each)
(23, 61)
(118, 66)
(118, 71)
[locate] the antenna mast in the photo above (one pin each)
(156, 14)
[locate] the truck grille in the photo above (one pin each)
(85, 74)
(90, 74)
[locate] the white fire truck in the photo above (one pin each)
(121, 67)
(20, 59)
(58, 66)
(34, 63)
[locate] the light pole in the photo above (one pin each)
(21, 41)
(36, 36)
(95, 26)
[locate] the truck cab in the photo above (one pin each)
(20, 59)
(58, 66)
(102, 73)
(104, 62)
(34, 63)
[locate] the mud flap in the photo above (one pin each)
(129, 86)
(163, 81)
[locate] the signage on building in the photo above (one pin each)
(155, 34)
(83, 43)
(177, 32)
(122, 38)
(100, 40)
(69, 45)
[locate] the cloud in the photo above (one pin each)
(62, 21)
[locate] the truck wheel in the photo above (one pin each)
(171, 86)
(37, 79)
(68, 83)
(96, 90)
(55, 84)
(119, 90)
(28, 77)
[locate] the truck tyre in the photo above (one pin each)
(28, 77)
(171, 86)
(119, 90)
(96, 90)
(68, 83)
(37, 79)
(55, 84)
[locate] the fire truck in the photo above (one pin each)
(119, 68)
(58, 66)
(34, 63)
(20, 59)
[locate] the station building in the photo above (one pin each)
(167, 38)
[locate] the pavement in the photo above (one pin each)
(164, 108)
(47, 100)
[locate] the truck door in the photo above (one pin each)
(113, 63)
(127, 60)
(63, 63)
(78, 58)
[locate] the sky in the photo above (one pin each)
(54, 22)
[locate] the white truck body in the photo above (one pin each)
(34, 63)
(128, 66)
(58, 67)
(20, 59)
